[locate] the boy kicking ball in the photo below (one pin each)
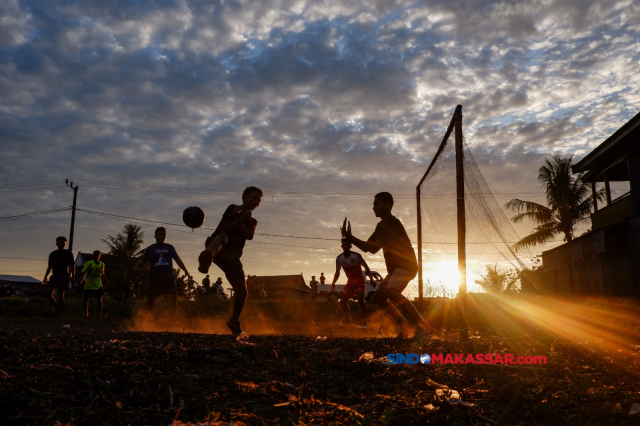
(402, 266)
(352, 263)
(224, 248)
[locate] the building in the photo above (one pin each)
(23, 285)
(605, 261)
(285, 286)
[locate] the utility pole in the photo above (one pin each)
(73, 213)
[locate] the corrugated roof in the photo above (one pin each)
(282, 282)
(20, 279)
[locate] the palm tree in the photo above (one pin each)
(126, 246)
(569, 203)
(496, 281)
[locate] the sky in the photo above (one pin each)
(151, 107)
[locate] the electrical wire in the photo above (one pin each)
(31, 214)
(115, 216)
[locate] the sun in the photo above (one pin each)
(442, 278)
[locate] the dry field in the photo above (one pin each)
(130, 372)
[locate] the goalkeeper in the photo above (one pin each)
(402, 266)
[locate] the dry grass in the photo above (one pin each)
(97, 372)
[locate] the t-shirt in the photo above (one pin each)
(322, 278)
(160, 259)
(60, 260)
(93, 271)
(396, 245)
(236, 238)
(352, 267)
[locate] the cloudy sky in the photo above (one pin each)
(155, 106)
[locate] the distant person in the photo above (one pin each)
(93, 283)
(314, 287)
(224, 248)
(161, 280)
(400, 259)
(322, 280)
(217, 287)
(206, 283)
(352, 263)
(61, 264)
(250, 283)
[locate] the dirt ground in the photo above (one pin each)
(98, 372)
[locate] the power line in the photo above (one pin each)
(176, 224)
(191, 189)
(40, 188)
(303, 194)
(31, 229)
(21, 258)
(31, 214)
(37, 182)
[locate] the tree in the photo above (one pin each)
(569, 203)
(496, 281)
(126, 246)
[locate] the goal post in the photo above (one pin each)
(455, 124)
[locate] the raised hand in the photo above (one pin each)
(346, 229)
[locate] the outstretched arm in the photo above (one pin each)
(337, 274)
(368, 271)
(371, 247)
(181, 265)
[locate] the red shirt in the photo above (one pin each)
(237, 238)
(352, 267)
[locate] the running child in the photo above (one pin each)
(93, 283)
(224, 248)
(352, 264)
(402, 266)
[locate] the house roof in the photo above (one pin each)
(608, 156)
(20, 279)
(284, 282)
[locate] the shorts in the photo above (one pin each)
(162, 288)
(352, 290)
(398, 280)
(92, 293)
(59, 282)
(232, 268)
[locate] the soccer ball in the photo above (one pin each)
(193, 217)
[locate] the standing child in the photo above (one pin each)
(352, 263)
(93, 283)
(161, 279)
(224, 248)
(400, 259)
(61, 264)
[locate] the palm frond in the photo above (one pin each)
(539, 236)
(535, 217)
(526, 206)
